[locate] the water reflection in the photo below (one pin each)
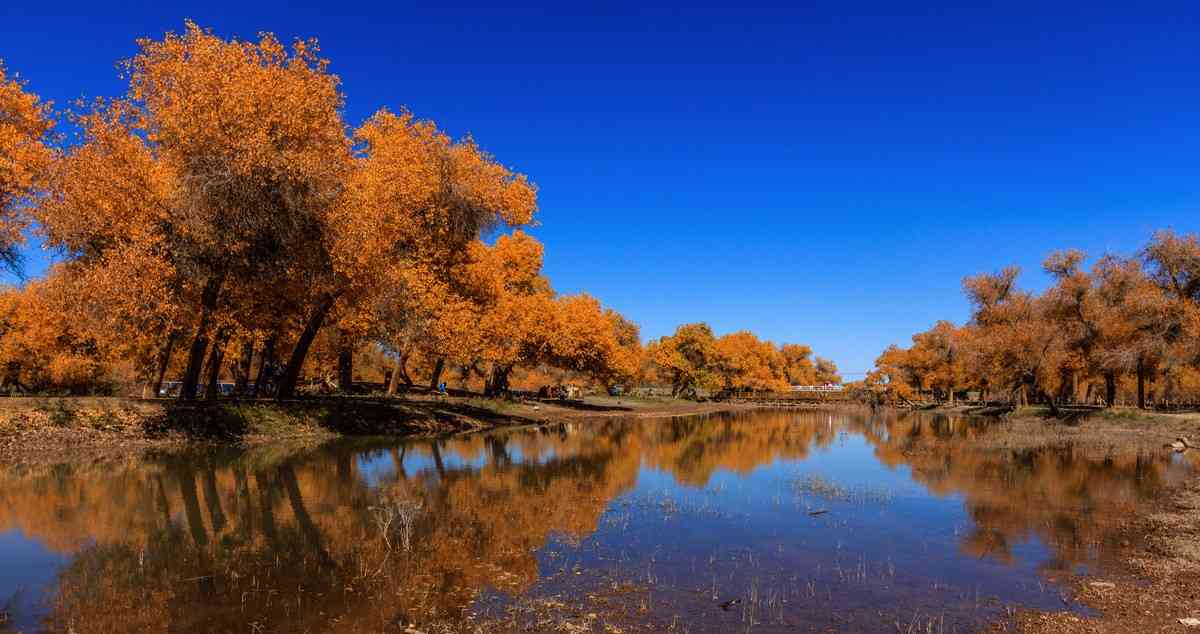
(817, 519)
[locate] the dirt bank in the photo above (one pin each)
(79, 426)
(1155, 587)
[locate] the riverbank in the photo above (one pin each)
(1154, 586)
(61, 426)
(1124, 429)
(1153, 582)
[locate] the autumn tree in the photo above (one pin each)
(827, 371)
(798, 368)
(687, 358)
(1013, 342)
(108, 209)
(253, 133)
(744, 362)
(25, 125)
(43, 344)
(414, 196)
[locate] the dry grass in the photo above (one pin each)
(1157, 585)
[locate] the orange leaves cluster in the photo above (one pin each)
(226, 110)
(25, 125)
(502, 313)
(43, 347)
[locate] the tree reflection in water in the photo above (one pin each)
(279, 538)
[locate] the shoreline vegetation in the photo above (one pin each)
(30, 424)
(60, 426)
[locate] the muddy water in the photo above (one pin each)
(770, 521)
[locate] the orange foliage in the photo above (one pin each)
(25, 125)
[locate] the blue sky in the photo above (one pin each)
(824, 173)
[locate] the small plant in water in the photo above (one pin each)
(397, 509)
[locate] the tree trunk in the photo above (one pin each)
(1110, 389)
(164, 359)
(345, 364)
(404, 375)
(291, 373)
(394, 381)
(245, 362)
(436, 377)
(1050, 403)
(497, 383)
(1141, 383)
(215, 359)
(208, 305)
(265, 361)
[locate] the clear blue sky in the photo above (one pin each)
(825, 173)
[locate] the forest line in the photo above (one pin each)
(1124, 331)
(221, 221)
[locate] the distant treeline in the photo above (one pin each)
(1125, 330)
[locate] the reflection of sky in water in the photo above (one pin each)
(914, 546)
(379, 466)
(27, 569)
(887, 520)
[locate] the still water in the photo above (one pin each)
(765, 521)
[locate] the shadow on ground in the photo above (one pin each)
(232, 420)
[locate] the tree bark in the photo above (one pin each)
(265, 361)
(345, 364)
(208, 305)
(397, 371)
(1141, 384)
(436, 378)
(1050, 402)
(164, 359)
(215, 359)
(291, 373)
(245, 362)
(497, 383)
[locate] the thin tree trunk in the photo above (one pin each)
(245, 362)
(1049, 402)
(404, 375)
(265, 361)
(436, 378)
(291, 373)
(397, 370)
(164, 359)
(208, 305)
(215, 359)
(345, 364)
(1141, 384)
